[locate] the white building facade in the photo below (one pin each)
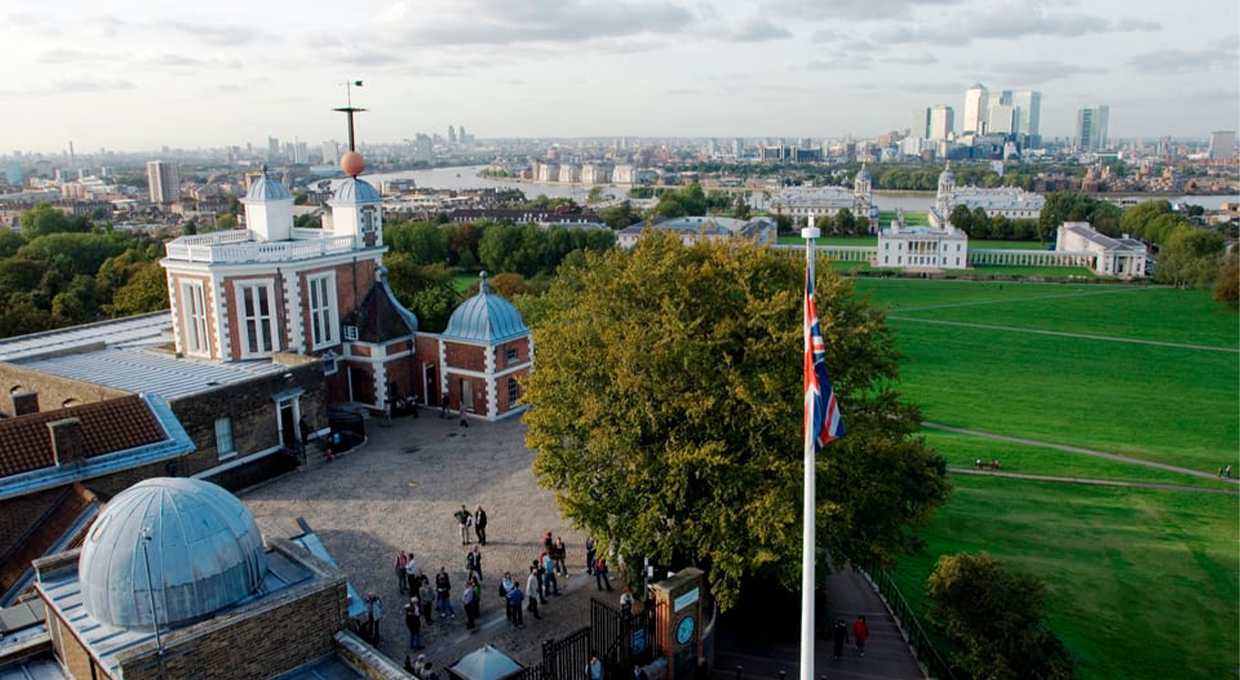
(1123, 257)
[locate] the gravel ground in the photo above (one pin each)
(399, 492)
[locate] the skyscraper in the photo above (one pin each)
(1002, 119)
(942, 122)
(423, 151)
(164, 181)
(920, 123)
(273, 148)
(452, 135)
(331, 152)
(1028, 112)
(976, 103)
(1091, 127)
(1223, 145)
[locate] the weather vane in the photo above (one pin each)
(349, 110)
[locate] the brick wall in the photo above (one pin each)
(468, 357)
(70, 650)
(353, 282)
(501, 390)
(18, 515)
(522, 345)
(480, 392)
(53, 390)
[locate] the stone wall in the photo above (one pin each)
(19, 515)
(53, 390)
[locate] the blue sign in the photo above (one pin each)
(684, 631)
(639, 641)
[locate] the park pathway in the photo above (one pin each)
(1098, 482)
(1065, 334)
(1075, 449)
(849, 594)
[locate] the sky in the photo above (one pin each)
(135, 76)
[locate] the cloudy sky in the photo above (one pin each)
(139, 75)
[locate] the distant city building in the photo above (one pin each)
(13, 173)
(547, 172)
(570, 173)
(976, 104)
(1222, 145)
(623, 173)
(451, 135)
(920, 123)
(1028, 113)
(1011, 202)
(592, 173)
(423, 149)
(1123, 257)
(942, 122)
(273, 148)
(690, 229)
(1002, 119)
(331, 152)
(1091, 128)
(164, 181)
(301, 153)
(800, 203)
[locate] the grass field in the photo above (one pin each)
(1030, 270)
(1140, 583)
(886, 217)
(831, 241)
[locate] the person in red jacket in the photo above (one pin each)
(860, 633)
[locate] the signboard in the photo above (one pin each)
(639, 641)
(685, 600)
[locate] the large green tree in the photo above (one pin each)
(996, 615)
(45, 219)
(668, 408)
(1189, 257)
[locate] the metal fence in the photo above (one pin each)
(919, 640)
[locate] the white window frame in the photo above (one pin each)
(323, 312)
(350, 333)
(331, 363)
(512, 356)
(221, 454)
(514, 392)
(194, 313)
(248, 288)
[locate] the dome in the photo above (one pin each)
(355, 190)
(204, 549)
(863, 174)
(266, 188)
(485, 317)
(947, 172)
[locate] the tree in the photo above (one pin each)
(620, 216)
(427, 291)
(1134, 219)
(595, 195)
(225, 221)
(45, 219)
(673, 430)
(740, 208)
(1189, 257)
(979, 221)
(996, 615)
(426, 243)
(463, 244)
(146, 291)
(189, 228)
(1227, 285)
(845, 224)
(72, 253)
(10, 243)
(961, 218)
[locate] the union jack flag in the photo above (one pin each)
(822, 411)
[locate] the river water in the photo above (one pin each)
(467, 178)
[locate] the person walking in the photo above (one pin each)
(600, 573)
(594, 669)
(402, 561)
(589, 554)
(840, 633)
(515, 599)
(550, 585)
(464, 423)
(374, 616)
(467, 603)
(426, 597)
(463, 518)
(542, 580)
(531, 585)
(861, 633)
(548, 542)
(443, 405)
(413, 621)
(480, 525)
(626, 604)
(443, 594)
(560, 554)
(1227, 472)
(473, 564)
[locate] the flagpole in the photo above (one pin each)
(809, 233)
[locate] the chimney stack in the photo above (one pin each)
(68, 444)
(25, 402)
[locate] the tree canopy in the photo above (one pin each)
(668, 411)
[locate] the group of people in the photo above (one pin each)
(1224, 472)
(860, 633)
(424, 599)
(540, 582)
(475, 521)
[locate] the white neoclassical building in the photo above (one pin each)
(1123, 257)
(1011, 202)
(916, 247)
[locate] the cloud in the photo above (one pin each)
(62, 55)
(70, 86)
(758, 29)
(1014, 19)
(167, 59)
(219, 35)
(680, 91)
(1037, 72)
(859, 10)
(1182, 61)
(503, 22)
(1137, 25)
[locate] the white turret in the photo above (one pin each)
(268, 209)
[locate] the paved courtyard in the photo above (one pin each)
(399, 491)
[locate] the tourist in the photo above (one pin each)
(387, 412)
(600, 573)
(505, 585)
(426, 597)
(626, 604)
(467, 603)
(1220, 472)
(531, 585)
(464, 423)
(594, 669)
(473, 564)
(419, 666)
(515, 598)
(413, 621)
(550, 585)
(402, 561)
(463, 519)
(840, 632)
(861, 632)
(542, 580)
(480, 525)
(374, 615)
(443, 594)
(548, 542)
(443, 405)
(411, 571)
(589, 554)
(1227, 472)
(560, 554)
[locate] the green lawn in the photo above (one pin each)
(961, 450)
(1140, 584)
(982, 244)
(1032, 270)
(886, 217)
(907, 294)
(462, 282)
(831, 240)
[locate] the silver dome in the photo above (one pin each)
(205, 552)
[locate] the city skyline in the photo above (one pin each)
(141, 77)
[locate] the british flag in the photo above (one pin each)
(822, 411)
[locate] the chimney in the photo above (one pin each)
(67, 443)
(25, 402)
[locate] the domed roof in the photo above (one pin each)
(266, 188)
(204, 548)
(354, 190)
(864, 173)
(947, 171)
(485, 317)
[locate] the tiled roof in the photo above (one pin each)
(45, 533)
(107, 426)
(381, 317)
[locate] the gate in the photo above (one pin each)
(621, 640)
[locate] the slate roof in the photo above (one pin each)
(107, 426)
(381, 318)
(485, 317)
(51, 530)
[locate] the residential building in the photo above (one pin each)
(976, 106)
(1123, 257)
(623, 173)
(593, 173)
(164, 182)
(1222, 145)
(1091, 128)
(570, 173)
